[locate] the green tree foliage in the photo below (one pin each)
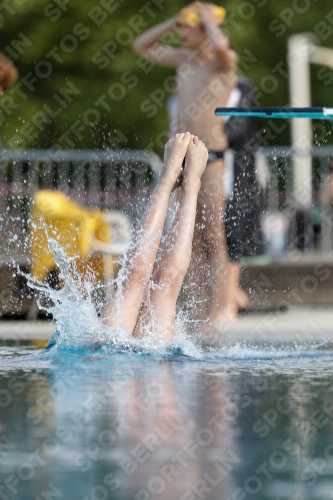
(81, 85)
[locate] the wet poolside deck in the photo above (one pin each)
(298, 324)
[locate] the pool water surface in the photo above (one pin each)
(248, 422)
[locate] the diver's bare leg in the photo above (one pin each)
(208, 277)
(159, 309)
(194, 296)
(124, 306)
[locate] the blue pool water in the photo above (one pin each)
(121, 423)
(98, 415)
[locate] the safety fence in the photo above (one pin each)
(111, 180)
(95, 178)
(288, 225)
(122, 180)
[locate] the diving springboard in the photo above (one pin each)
(278, 112)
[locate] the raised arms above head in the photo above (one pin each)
(226, 57)
(149, 46)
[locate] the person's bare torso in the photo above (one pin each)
(201, 89)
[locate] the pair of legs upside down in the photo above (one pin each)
(149, 294)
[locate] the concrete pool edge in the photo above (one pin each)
(297, 324)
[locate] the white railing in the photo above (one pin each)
(112, 180)
(122, 180)
(94, 177)
(295, 227)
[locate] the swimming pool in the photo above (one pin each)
(126, 423)
(100, 415)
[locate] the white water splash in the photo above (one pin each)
(78, 325)
(80, 328)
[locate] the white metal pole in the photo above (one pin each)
(299, 47)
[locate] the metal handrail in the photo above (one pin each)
(144, 156)
(27, 170)
(139, 155)
(85, 175)
(289, 152)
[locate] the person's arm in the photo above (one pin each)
(148, 45)
(226, 57)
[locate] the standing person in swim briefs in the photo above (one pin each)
(243, 204)
(206, 74)
(147, 299)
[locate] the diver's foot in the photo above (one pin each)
(195, 161)
(174, 154)
(242, 298)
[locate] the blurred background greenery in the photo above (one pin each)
(92, 58)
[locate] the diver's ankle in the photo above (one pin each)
(191, 183)
(166, 181)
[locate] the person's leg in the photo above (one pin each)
(159, 310)
(235, 294)
(209, 279)
(196, 288)
(194, 294)
(242, 299)
(211, 204)
(124, 306)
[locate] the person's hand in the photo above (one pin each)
(206, 14)
(175, 20)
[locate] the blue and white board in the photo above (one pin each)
(278, 112)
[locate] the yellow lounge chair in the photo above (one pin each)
(83, 234)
